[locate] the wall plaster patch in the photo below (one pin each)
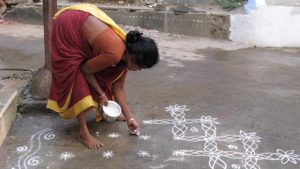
(216, 156)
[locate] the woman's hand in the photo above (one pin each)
(102, 100)
(133, 127)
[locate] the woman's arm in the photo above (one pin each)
(120, 96)
(119, 93)
(102, 100)
(107, 45)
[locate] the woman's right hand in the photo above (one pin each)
(133, 127)
(102, 100)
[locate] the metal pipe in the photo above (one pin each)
(49, 9)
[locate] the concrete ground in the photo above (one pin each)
(243, 111)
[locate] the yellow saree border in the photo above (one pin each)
(78, 107)
(73, 111)
(119, 76)
(95, 11)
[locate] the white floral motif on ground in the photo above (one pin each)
(107, 154)
(66, 156)
(114, 135)
(143, 154)
(216, 156)
(144, 137)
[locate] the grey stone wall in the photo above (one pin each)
(283, 2)
(189, 2)
(207, 2)
(193, 24)
(209, 25)
(15, 1)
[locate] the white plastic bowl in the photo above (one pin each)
(111, 111)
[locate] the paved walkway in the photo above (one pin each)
(243, 113)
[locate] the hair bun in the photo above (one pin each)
(134, 36)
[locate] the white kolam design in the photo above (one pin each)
(143, 154)
(114, 135)
(159, 166)
(235, 166)
(22, 149)
(29, 152)
(107, 154)
(66, 156)
(144, 137)
(210, 140)
(233, 147)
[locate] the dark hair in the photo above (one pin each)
(143, 50)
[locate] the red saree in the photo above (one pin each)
(70, 93)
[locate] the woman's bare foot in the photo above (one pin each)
(121, 118)
(90, 141)
(85, 136)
